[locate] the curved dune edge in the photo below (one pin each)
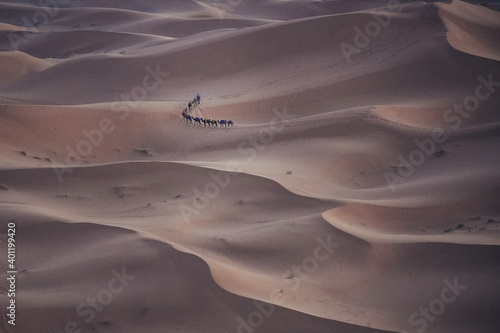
(16, 66)
(139, 304)
(472, 29)
(377, 224)
(10, 27)
(322, 175)
(246, 256)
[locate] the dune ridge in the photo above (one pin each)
(100, 173)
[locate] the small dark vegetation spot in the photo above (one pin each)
(144, 152)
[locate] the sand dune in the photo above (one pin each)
(16, 66)
(472, 29)
(355, 190)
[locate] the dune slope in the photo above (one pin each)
(360, 181)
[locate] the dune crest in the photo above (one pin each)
(17, 66)
(352, 191)
(472, 28)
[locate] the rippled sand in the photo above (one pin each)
(357, 192)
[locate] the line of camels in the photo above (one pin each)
(202, 121)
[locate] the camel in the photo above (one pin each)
(188, 118)
(206, 122)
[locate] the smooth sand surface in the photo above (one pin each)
(352, 191)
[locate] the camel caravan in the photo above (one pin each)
(205, 122)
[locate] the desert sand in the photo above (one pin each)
(357, 192)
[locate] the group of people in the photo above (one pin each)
(198, 120)
(196, 101)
